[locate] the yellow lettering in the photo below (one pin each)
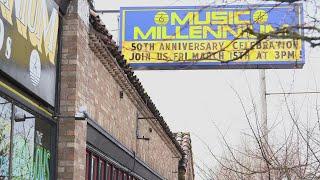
(228, 29)
(165, 35)
(237, 19)
(231, 18)
(21, 13)
(269, 28)
(34, 17)
(197, 19)
(159, 30)
(220, 17)
(50, 32)
(207, 30)
(262, 28)
(34, 24)
(179, 35)
(6, 10)
(242, 28)
(195, 32)
(176, 19)
(138, 32)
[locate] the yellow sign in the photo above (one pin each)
(29, 44)
(210, 37)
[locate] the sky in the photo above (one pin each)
(204, 101)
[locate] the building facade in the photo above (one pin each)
(70, 107)
(124, 136)
(186, 171)
(29, 32)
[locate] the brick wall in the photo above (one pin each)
(86, 81)
(186, 171)
(72, 134)
(189, 173)
(100, 92)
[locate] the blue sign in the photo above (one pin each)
(214, 37)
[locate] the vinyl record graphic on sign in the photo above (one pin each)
(161, 18)
(35, 67)
(260, 16)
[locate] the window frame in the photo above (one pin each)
(102, 169)
(41, 117)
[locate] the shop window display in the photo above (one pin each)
(25, 144)
(5, 132)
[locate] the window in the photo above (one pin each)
(87, 165)
(94, 167)
(5, 134)
(102, 170)
(120, 175)
(115, 173)
(109, 171)
(97, 168)
(26, 144)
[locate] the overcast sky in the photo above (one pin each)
(195, 100)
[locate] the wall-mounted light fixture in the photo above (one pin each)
(20, 117)
(80, 115)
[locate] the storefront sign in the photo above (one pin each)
(28, 44)
(210, 37)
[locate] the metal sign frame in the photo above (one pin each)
(176, 65)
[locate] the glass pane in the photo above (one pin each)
(5, 130)
(43, 159)
(32, 142)
(23, 145)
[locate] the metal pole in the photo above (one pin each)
(107, 11)
(263, 95)
(264, 123)
(118, 18)
(293, 93)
